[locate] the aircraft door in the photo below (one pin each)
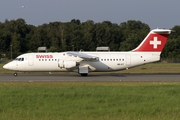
(128, 60)
(30, 60)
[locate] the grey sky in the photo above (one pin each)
(155, 13)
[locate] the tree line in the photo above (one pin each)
(75, 35)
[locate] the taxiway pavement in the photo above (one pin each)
(90, 77)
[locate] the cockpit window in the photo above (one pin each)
(19, 59)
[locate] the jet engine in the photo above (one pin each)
(67, 64)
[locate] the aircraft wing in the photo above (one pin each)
(82, 55)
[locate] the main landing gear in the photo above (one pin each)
(15, 74)
(84, 74)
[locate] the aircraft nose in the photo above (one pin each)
(6, 66)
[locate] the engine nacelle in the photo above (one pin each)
(67, 64)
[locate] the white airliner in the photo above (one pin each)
(84, 62)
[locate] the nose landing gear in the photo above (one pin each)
(15, 74)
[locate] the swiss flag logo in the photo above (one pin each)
(153, 43)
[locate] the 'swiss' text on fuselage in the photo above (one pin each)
(44, 56)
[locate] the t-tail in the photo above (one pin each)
(154, 41)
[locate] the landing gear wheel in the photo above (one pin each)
(84, 74)
(15, 74)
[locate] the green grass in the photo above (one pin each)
(89, 100)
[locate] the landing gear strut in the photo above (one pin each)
(15, 74)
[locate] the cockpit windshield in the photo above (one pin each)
(19, 59)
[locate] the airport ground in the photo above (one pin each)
(90, 100)
(148, 72)
(148, 92)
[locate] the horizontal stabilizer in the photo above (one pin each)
(161, 31)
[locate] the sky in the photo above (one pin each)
(155, 13)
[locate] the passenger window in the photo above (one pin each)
(122, 59)
(39, 59)
(49, 59)
(52, 59)
(113, 59)
(104, 59)
(101, 59)
(55, 59)
(45, 59)
(42, 59)
(110, 59)
(119, 59)
(107, 59)
(116, 59)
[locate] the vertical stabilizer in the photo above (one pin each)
(154, 41)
